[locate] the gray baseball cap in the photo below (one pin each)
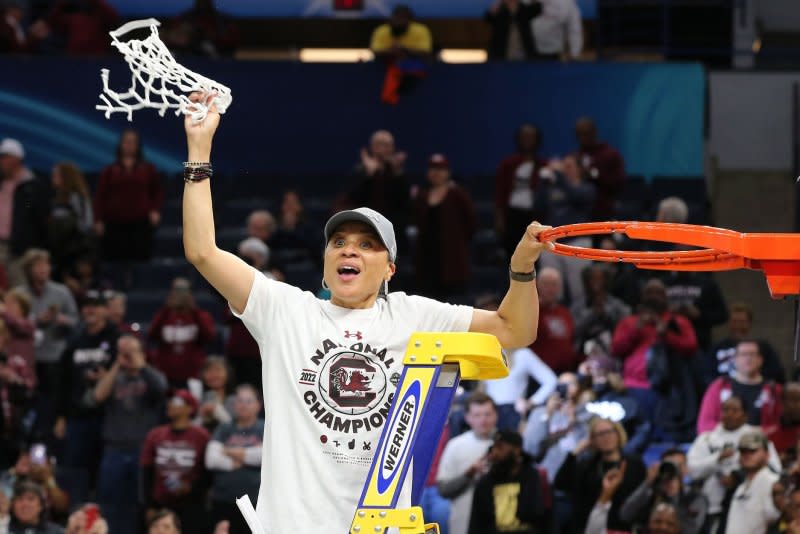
(382, 226)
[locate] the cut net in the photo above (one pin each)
(156, 77)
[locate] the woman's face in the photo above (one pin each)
(356, 265)
(27, 508)
(12, 305)
(291, 203)
(165, 525)
(216, 376)
(129, 144)
(604, 437)
(438, 175)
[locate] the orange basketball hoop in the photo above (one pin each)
(777, 255)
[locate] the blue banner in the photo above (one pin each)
(320, 8)
(313, 118)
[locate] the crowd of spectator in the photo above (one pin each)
(625, 414)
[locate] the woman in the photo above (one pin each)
(164, 522)
(128, 203)
(445, 219)
(516, 183)
(28, 511)
(15, 310)
(329, 366)
(218, 399)
(71, 216)
(581, 475)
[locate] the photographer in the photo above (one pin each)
(713, 458)
(33, 466)
(647, 342)
(181, 331)
(553, 430)
(665, 483)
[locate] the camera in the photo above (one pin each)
(667, 471)
(562, 390)
(38, 454)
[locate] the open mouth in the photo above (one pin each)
(348, 272)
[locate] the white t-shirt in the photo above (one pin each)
(752, 508)
(704, 464)
(459, 454)
(524, 364)
(329, 374)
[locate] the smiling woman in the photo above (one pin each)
(331, 367)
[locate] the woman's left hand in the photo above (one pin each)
(529, 248)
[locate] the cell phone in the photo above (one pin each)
(562, 390)
(38, 454)
(92, 512)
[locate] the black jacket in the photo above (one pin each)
(530, 510)
(29, 218)
(582, 480)
(44, 527)
(501, 22)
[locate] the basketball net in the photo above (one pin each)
(155, 78)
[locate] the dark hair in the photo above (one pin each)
(161, 514)
(672, 451)
(403, 9)
(742, 307)
(139, 155)
(230, 382)
(518, 134)
(757, 342)
(478, 397)
(735, 398)
(587, 271)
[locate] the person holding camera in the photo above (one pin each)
(755, 504)
(647, 342)
(33, 465)
(713, 458)
(181, 331)
(553, 430)
(131, 395)
(665, 483)
(29, 511)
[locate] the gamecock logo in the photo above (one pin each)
(352, 383)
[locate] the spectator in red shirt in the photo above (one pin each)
(172, 464)
(785, 434)
(84, 24)
(445, 217)
(639, 336)
(181, 331)
(127, 204)
(516, 182)
(605, 165)
(555, 341)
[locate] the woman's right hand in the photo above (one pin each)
(200, 134)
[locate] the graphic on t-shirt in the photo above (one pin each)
(348, 388)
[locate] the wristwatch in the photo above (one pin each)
(522, 277)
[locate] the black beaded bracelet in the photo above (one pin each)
(197, 174)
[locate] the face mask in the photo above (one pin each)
(600, 389)
(397, 31)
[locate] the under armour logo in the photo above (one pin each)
(356, 335)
